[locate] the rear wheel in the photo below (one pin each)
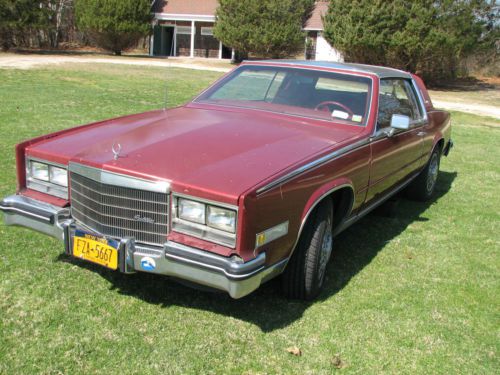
(422, 188)
(305, 274)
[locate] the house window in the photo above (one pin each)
(209, 31)
(184, 30)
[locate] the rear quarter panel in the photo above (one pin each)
(439, 126)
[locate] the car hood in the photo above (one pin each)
(218, 151)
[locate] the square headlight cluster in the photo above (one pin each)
(212, 222)
(47, 178)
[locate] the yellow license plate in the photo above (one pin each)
(96, 249)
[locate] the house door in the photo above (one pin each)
(226, 52)
(163, 41)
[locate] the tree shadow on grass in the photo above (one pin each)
(266, 308)
(469, 84)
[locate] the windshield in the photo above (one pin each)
(302, 92)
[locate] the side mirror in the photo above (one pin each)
(400, 122)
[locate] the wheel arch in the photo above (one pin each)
(438, 142)
(341, 190)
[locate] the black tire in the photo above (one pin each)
(305, 273)
(423, 187)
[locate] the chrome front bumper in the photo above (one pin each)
(173, 259)
(37, 215)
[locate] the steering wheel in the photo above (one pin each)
(324, 106)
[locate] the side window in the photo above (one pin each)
(396, 97)
(415, 104)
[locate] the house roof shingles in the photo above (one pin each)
(198, 7)
(316, 20)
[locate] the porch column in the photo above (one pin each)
(193, 31)
(175, 41)
(220, 50)
(233, 55)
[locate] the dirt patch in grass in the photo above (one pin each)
(479, 96)
(30, 60)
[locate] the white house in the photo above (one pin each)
(185, 28)
(317, 48)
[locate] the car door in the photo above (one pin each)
(395, 155)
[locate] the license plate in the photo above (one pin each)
(96, 249)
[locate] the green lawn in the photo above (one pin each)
(417, 291)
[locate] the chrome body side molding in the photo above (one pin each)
(313, 165)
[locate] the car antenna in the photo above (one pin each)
(165, 104)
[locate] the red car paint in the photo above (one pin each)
(226, 154)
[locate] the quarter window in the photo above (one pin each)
(397, 97)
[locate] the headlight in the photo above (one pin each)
(58, 176)
(191, 211)
(47, 178)
(210, 221)
(221, 218)
(40, 171)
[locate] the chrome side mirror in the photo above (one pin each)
(401, 122)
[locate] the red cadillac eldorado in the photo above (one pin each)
(251, 180)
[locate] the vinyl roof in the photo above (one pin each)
(380, 71)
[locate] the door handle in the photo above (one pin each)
(421, 134)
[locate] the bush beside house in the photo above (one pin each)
(267, 28)
(114, 25)
(424, 36)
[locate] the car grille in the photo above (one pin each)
(120, 212)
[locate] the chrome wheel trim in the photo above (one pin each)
(432, 173)
(325, 252)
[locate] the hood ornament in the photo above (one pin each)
(116, 148)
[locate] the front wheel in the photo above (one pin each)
(422, 188)
(305, 273)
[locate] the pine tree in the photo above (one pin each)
(114, 25)
(21, 17)
(424, 36)
(268, 28)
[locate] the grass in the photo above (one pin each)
(412, 291)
